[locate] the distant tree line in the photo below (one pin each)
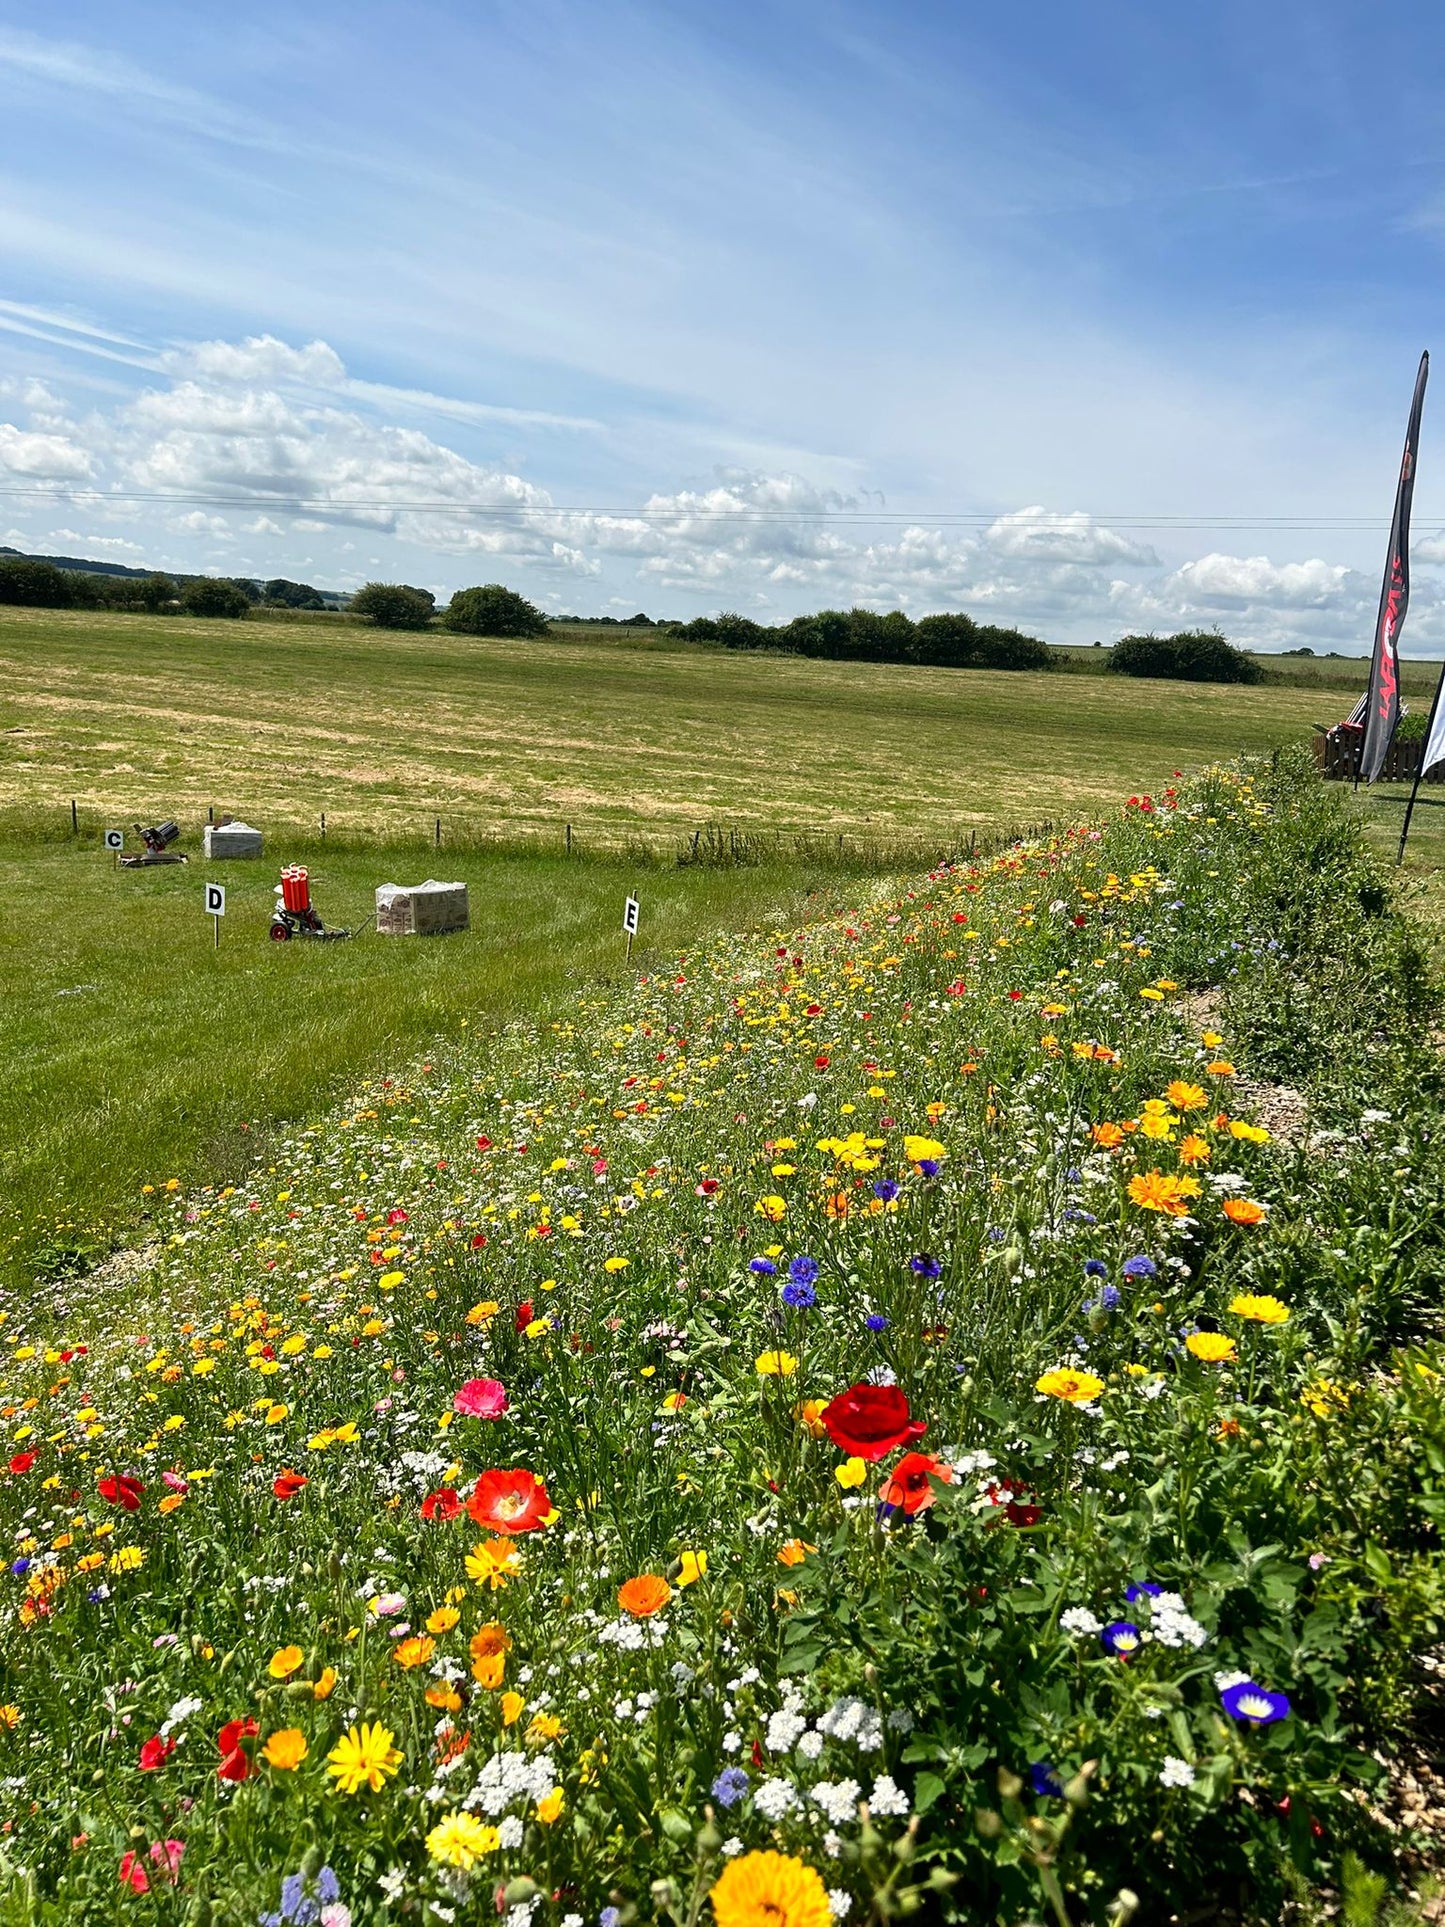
(488, 610)
(862, 635)
(28, 583)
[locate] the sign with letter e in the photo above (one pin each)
(115, 839)
(215, 899)
(630, 915)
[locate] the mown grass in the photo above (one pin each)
(278, 721)
(134, 1051)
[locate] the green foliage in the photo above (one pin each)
(292, 595)
(862, 635)
(35, 585)
(493, 610)
(215, 596)
(394, 605)
(1194, 655)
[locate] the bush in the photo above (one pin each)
(215, 596)
(394, 605)
(35, 585)
(1011, 649)
(493, 611)
(292, 595)
(1193, 655)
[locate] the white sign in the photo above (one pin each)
(215, 899)
(630, 916)
(115, 839)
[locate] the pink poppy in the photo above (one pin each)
(481, 1398)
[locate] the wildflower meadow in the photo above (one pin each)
(936, 1413)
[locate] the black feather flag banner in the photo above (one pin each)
(1383, 709)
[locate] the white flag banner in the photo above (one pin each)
(1435, 741)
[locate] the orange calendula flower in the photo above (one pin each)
(1260, 1308)
(1221, 1067)
(413, 1652)
(770, 1890)
(1244, 1210)
(1186, 1097)
(285, 1750)
(644, 1596)
(794, 1551)
(493, 1563)
(489, 1639)
(513, 1706)
(1194, 1150)
(444, 1697)
(284, 1661)
(1108, 1136)
(489, 1670)
(1156, 1191)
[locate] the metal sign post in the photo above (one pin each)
(630, 918)
(216, 906)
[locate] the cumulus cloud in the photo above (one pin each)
(1227, 580)
(1037, 534)
(260, 358)
(45, 457)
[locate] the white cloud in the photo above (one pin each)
(1038, 534)
(260, 358)
(1227, 580)
(45, 457)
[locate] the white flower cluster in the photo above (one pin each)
(1078, 1619)
(509, 1777)
(855, 1720)
(837, 1798)
(888, 1798)
(631, 1635)
(773, 1798)
(1171, 1625)
(1175, 1772)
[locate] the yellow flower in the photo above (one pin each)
(325, 1684)
(775, 1364)
(443, 1619)
(364, 1756)
(1186, 1097)
(461, 1840)
(1152, 996)
(286, 1749)
(284, 1661)
(479, 1314)
(1213, 1348)
(1154, 1191)
(772, 1208)
(493, 1563)
(550, 1806)
(444, 1697)
(692, 1566)
(917, 1150)
(794, 1551)
(127, 1559)
(615, 1264)
(389, 1279)
(1248, 1133)
(413, 1652)
(1194, 1150)
(770, 1890)
(851, 1473)
(513, 1706)
(9, 1715)
(1260, 1307)
(545, 1726)
(1074, 1387)
(1324, 1397)
(810, 1413)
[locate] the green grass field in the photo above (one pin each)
(132, 1052)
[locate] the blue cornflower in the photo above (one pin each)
(1073, 1175)
(20, 1567)
(800, 1297)
(1045, 1780)
(1142, 1589)
(293, 1892)
(803, 1271)
(885, 1189)
(996, 1234)
(876, 1322)
(727, 1789)
(1140, 1267)
(1109, 1299)
(766, 1269)
(925, 1264)
(1095, 1268)
(928, 1167)
(609, 1917)
(328, 1887)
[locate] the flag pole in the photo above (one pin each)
(1425, 742)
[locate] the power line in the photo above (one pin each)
(1055, 522)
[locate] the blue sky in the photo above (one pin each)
(1055, 314)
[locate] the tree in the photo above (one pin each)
(156, 592)
(394, 605)
(1194, 655)
(492, 610)
(215, 596)
(945, 642)
(292, 595)
(1011, 649)
(36, 585)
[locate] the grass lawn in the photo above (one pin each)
(277, 721)
(135, 1052)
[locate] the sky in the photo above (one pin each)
(1089, 320)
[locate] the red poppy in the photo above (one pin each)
(524, 1314)
(479, 1242)
(288, 1483)
(443, 1504)
(396, 1216)
(121, 1489)
(509, 1501)
(155, 1752)
(869, 1421)
(22, 1462)
(235, 1761)
(484, 1144)
(910, 1484)
(133, 1874)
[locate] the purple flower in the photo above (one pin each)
(1254, 1704)
(20, 1567)
(1142, 1589)
(765, 1268)
(803, 1271)
(1095, 1268)
(609, 1917)
(1140, 1267)
(730, 1786)
(925, 1264)
(1121, 1638)
(885, 1189)
(799, 1296)
(1045, 1780)
(928, 1167)
(876, 1322)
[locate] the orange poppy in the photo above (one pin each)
(644, 1596)
(509, 1501)
(910, 1484)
